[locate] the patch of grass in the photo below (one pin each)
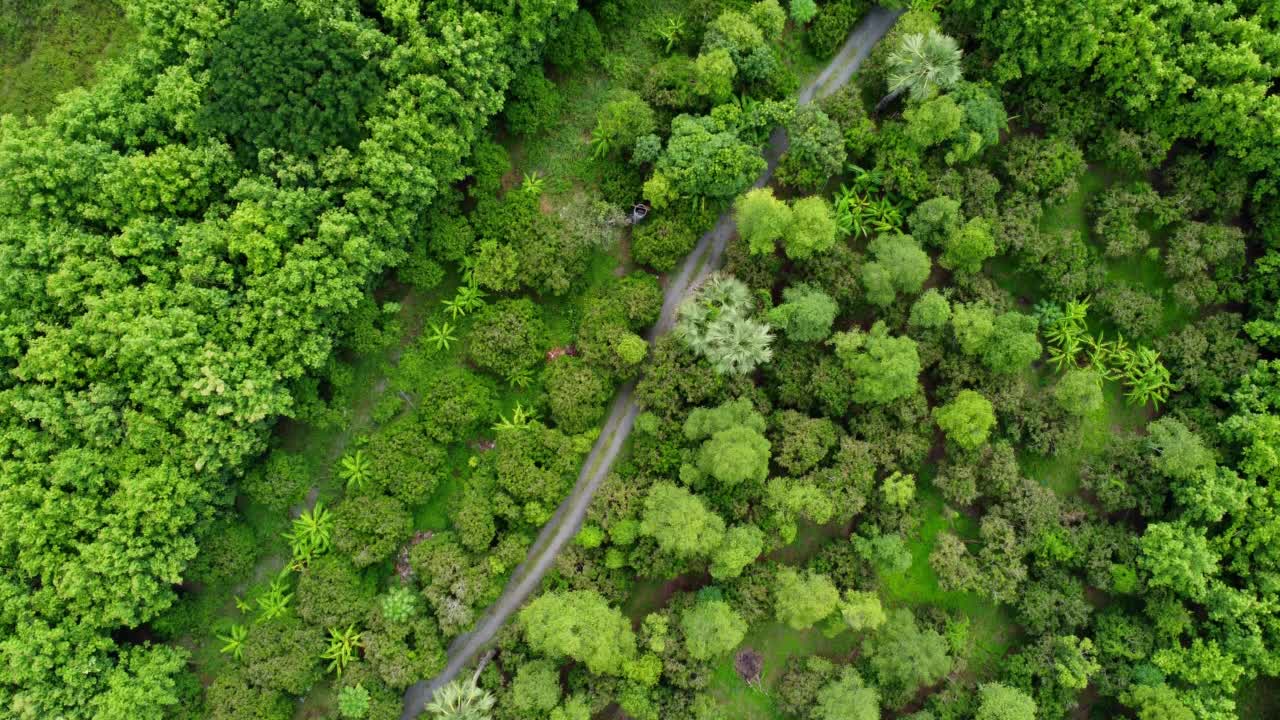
(563, 155)
(48, 47)
(1072, 213)
(991, 629)
(1062, 472)
(776, 642)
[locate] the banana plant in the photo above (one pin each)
(866, 181)
(441, 336)
(342, 648)
(455, 306)
(602, 139)
(311, 535)
(354, 469)
(233, 641)
(520, 419)
(1147, 378)
(471, 296)
(519, 378)
(533, 183)
(275, 601)
(671, 32)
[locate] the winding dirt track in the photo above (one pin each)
(697, 266)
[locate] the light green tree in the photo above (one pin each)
(715, 73)
(1001, 702)
(1177, 556)
(802, 599)
(1079, 391)
(966, 249)
(806, 314)
(579, 624)
(536, 688)
(711, 629)
(930, 311)
(935, 220)
(762, 219)
(741, 545)
(900, 266)
(734, 449)
(862, 610)
(847, 698)
(966, 420)
(813, 228)
(884, 368)
(679, 522)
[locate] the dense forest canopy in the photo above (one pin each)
(312, 310)
(182, 245)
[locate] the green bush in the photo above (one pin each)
(369, 528)
(454, 402)
(534, 104)
(279, 482)
(228, 554)
(508, 335)
(832, 25)
(578, 394)
(402, 653)
(283, 654)
(231, 697)
(404, 461)
(661, 242)
(332, 594)
(577, 43)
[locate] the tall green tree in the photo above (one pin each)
(900, 266)
(801, 600)
(680, 522)
(884, 368)
(711, 629)
(762, 219)
(1001, 702)
(966, 420)
(579, 624)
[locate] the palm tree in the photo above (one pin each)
(738, 344)
(922, 65)
(461, 700)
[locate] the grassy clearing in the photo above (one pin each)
(1062, 473)
(48, 47)
(991, 630)
(777, 643)
(1072, 213)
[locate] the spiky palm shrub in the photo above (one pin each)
(400, 605)
(461, 700)
(353, 702)
(717, 324)
(923, 64)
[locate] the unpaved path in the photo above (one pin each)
(697, 266)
